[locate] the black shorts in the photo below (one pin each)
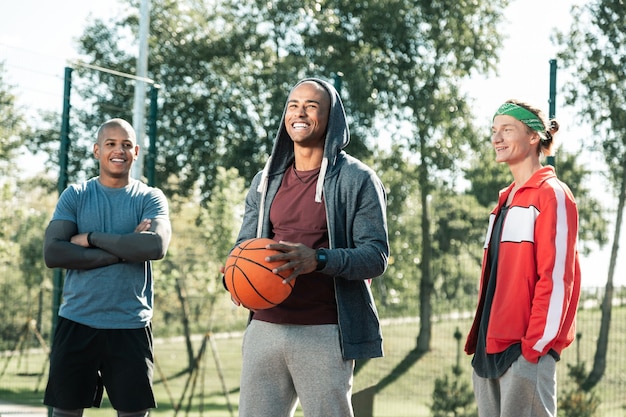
(83, 360)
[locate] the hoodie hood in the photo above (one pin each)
(337, 138)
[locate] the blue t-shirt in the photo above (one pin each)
(118, 296)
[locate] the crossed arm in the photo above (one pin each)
(65, 248)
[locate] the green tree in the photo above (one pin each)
(9, 142)
(16, 220)
(12, 128)
(486, 176)
(225, 72)
(189, 285)
(575, 401)
(223, 78)
(452, 397)
(403, 62)
(9, 251)
(398, 296)
(593, 225)
(458, 238)
(418, 55)
(219, 223)
(35, 274)
(594, 52)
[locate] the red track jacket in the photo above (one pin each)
(538, 271)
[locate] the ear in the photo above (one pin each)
(136, 152)
(535, 138)
(96, 151)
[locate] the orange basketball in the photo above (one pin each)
(249, 278)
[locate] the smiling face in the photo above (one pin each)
(512, 140)
(116, 150)
(307, 113)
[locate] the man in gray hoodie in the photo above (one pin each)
(327, 210)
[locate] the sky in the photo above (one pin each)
(38, 40)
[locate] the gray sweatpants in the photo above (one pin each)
(284, 363)
(525, 390)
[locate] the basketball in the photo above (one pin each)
(249, 278)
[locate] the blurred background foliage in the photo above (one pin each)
(225, 68)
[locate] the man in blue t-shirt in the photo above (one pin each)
(105, 232)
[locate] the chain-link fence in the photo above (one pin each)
(198, 374)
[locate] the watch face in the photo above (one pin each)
(321, 258)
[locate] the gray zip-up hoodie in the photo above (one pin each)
(357, 226)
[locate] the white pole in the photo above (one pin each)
(139, 108)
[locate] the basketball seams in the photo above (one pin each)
(252, 286)
(257, 263)
(250, 279)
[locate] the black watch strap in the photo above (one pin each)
(321, 257)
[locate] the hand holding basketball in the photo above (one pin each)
(249, 277)
(296, 258)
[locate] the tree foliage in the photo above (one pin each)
(592, 223)
(452, 397)
(575, 401)
(225, 72)
(22, 223)
(12, 128)
(422, 54)
(202, 237)
(594, 50)
(224, 68)
(398, 294)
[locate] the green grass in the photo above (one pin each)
(408, 395)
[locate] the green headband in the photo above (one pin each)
(525, 116)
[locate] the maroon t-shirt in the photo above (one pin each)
(297, 218)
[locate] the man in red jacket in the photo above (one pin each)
(530, 280)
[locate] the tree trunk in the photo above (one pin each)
(599, 360)
(426, 280)
(182, 297)
(40, 309)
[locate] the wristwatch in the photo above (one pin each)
(321, 257)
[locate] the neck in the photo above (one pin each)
(113, 182)
(523, 172)
(307, 159)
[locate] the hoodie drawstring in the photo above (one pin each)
(262, 188)
(319, 187)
